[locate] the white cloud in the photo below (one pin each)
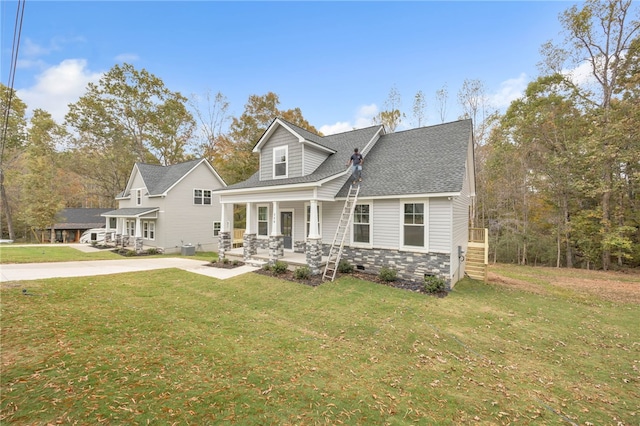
(127, 57)
(582, 75)
(363, 118)
(58, 86)
(509, 91)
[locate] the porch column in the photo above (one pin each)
(119, 230)
(224, 237)
(276, 240)
(138, 233)
(313, 220)
(107, 233)
(250, 239)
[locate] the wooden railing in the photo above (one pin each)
(238, 237)
(478, 235)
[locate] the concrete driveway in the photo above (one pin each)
(35, 271)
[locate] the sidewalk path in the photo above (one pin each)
(35, 271)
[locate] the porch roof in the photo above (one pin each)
(131, 212)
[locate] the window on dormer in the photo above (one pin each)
(138, 197)
(280, 164)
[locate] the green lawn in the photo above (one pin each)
(43, 253)
(167, 347)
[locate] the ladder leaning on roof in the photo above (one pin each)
(335, 252)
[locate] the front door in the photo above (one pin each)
(286, 228)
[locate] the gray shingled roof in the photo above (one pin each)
(342, 143)
(160, 178)
(420, 161)
(130, 211)
(428, 160)
(80, 218)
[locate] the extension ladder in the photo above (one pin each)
(335, 252)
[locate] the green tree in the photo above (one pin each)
(128, 116)
(392, 115)
(41, 189)
(12, 144)
(598, 35)
(234, 158)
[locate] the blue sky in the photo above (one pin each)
(336, 61)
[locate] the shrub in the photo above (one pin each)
(434, 284)
(235, 263)
(302, 273)
(388, 274)
(279, 267)
(153, 250)
(225, 261)
(344, 267)
(266, 267)
(130, 253)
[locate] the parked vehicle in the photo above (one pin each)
(95, 235)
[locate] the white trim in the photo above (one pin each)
(405, 196)
(425, 218)
(307, 219)
(286, 161)
(293, 226)
(354, 243)
(375, 137)
(193, 199)
(258, 207)
(273, 127)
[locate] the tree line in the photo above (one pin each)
(558, 172)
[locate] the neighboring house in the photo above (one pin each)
(412, 211)
(71, 223)
(167, 207)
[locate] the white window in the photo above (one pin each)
(131, 228)
(263, 220)
(202, 196)
(138, 197)
(308, 218)
(414, 224)
(280, 163)
(362, 224)
(149, 230)
(217, 226)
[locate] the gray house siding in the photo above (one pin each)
(460, 229)
(312, 158)
(386, 223)
(183, 222)
(331, 188)
(281, 137)
(439, 225)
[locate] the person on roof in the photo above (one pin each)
(356, 162)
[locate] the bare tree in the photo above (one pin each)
(442, 95)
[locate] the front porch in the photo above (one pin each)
(261, 257)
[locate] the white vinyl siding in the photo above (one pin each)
(440, 225)
(330, 217)
(386, 230)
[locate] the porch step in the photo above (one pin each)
(258, 263)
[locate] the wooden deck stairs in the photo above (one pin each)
(477, 256)
(335, 252)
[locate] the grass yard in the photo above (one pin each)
(170, 347)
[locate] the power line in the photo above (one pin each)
(17, 31)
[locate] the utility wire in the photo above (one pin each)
(17, 31)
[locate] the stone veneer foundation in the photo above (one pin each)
(249, 245)
(410, 266)
(224, 244)
(314, 254)
(276, 248)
